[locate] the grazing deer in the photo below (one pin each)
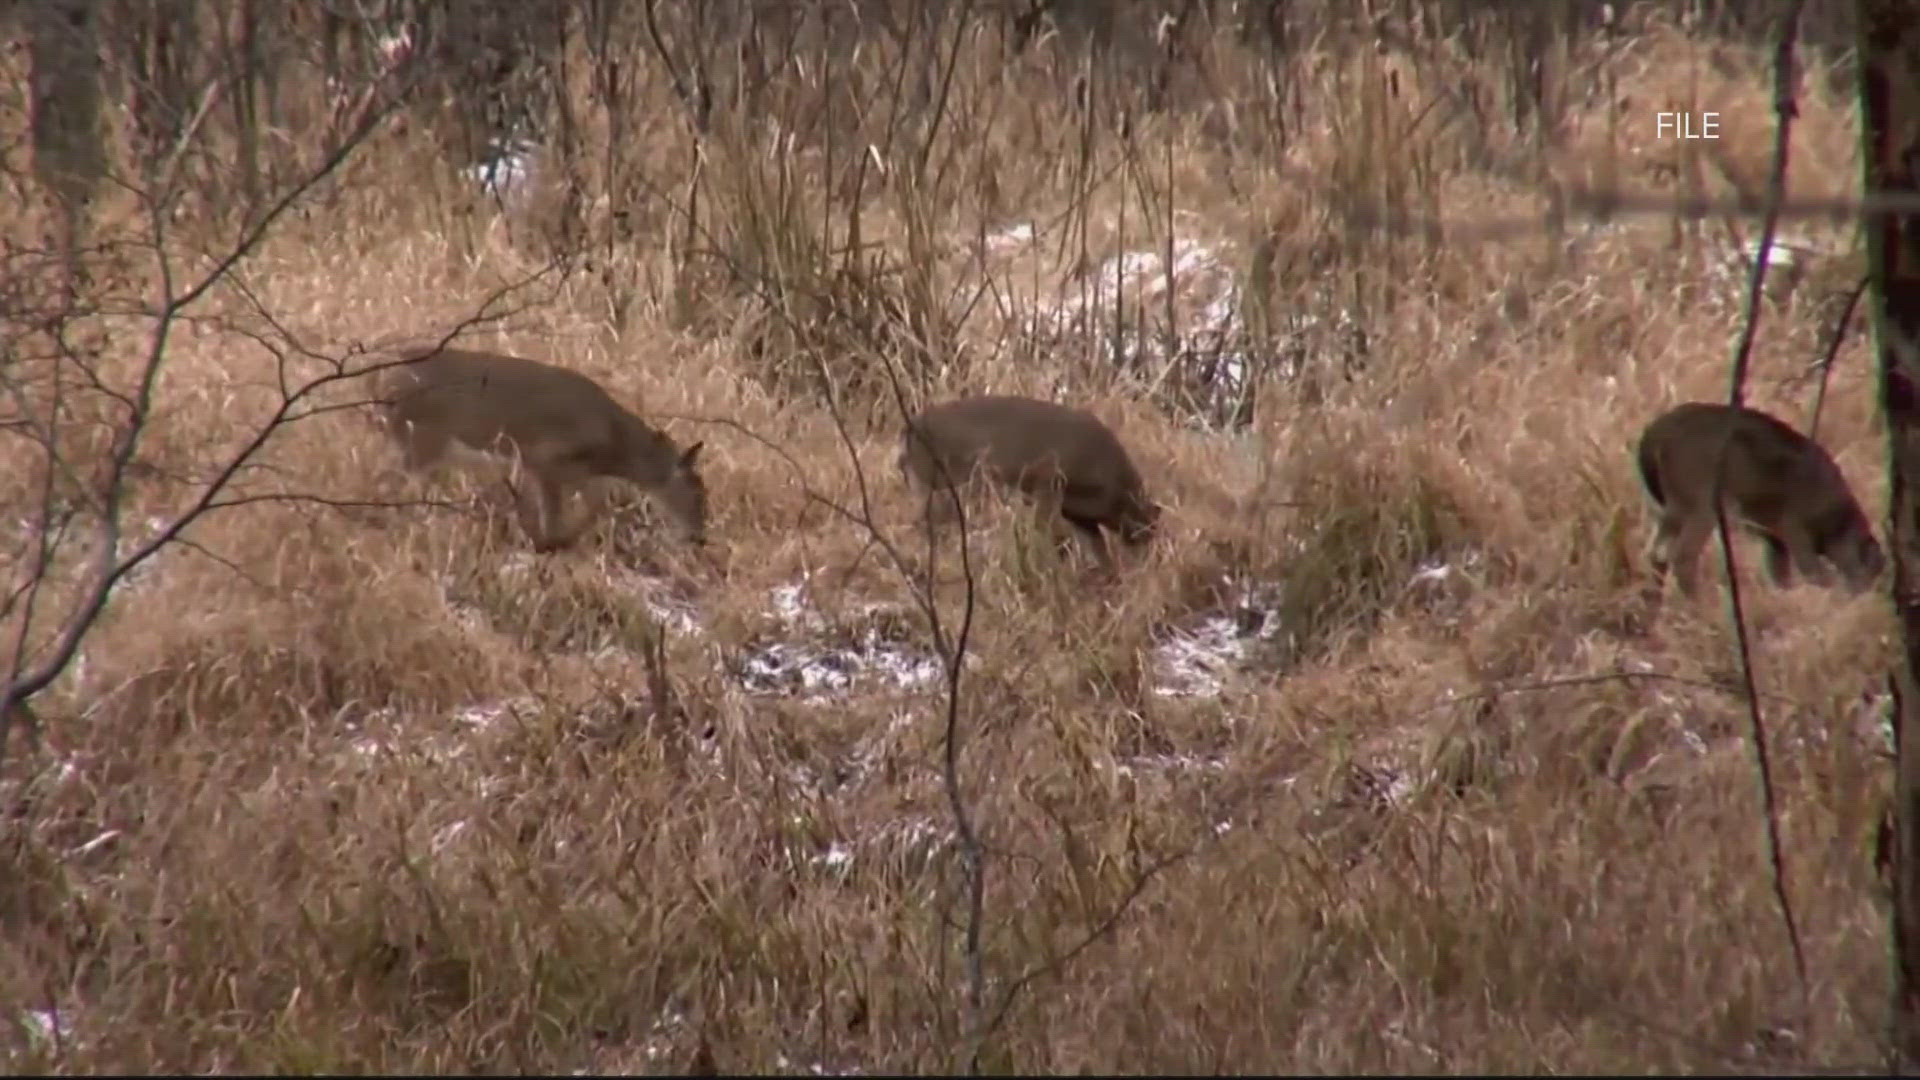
(1778, 483)
(560, 427)
(1064, 458)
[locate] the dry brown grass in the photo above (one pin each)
(378, 792)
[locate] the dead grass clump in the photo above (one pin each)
(1369, 522)
(548, 610)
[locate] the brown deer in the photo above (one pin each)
(559, 428)
(1778, 483)
(1064, 458)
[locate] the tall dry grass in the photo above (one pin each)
(374, 791)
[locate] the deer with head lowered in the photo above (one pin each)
(559, 427)
(1062, 457)
(1781, 485)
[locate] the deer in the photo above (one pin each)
(554, 425)
(1779, 484)
(1065, 459)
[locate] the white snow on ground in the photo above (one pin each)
(47, 1027)
(1172, 315)
(810, 657)
(508, 171)
(1193, 661)
(1789, 259)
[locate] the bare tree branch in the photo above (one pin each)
(1784, 110)
(111, 563)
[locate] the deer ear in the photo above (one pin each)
(686, 459)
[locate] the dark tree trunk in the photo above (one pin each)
(1890, 107)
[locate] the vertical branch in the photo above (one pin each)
(692, 87)
(976, 1024)
(1834, 340)
(1785, 111)
(1890, 136)
(695, 94)
(243, 73)
(162, 55)
(613, 82)
(69, 158)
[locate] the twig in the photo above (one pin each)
(1785, 111)
(698, 107)
(1834, 339)
(111, 564)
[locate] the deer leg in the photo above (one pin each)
(1685, 549)
(1096, 541)
(1659, 546)
(1065, 522)
(1780, 560)
(1798, 551)
(420, 449)
(942, 508)
(542, 510)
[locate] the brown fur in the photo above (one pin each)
(1063, 457)
(1779, 484)
(560, 426)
